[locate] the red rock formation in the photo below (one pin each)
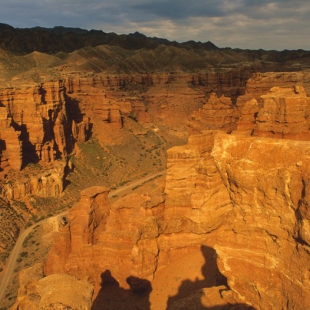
(230, 83)
(80, 131)
(228, 191)
(281, 113)
(265, 252)
(48, 114)
(39, 114)
(43, 183)
(248, 112)
(261, 82)
(120, 238)
(284, 113)
(131, 237)
(194, 187)
(223, 112)
(58, 291)
(262, 241)
(10, 143)
(217, 113)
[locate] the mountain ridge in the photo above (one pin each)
(67, 36)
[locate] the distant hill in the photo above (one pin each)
(67, 39)
(40, 48)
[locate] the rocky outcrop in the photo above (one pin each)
(37, 181)
(261, 82)
(281, 113)
(284, 113)
(10, 143)
(217, 113)
(18, 206)
(262, 236)
(42, 122)
(230, 192)
(192, 202)
(38, 115)
(120, 238)
(265, 251)
(252, 208)
(58, 291)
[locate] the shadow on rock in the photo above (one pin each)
(112, 297)
(190, 293)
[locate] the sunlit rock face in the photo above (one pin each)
(58, 291)
(265, 251)
(37, 115)
(251, 204)
(120, 238)
(284, 113)
(196, 199)
(281, 113)
(217, 113)
(242, 193)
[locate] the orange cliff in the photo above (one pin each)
(252, 209)
(245, 197)
(272, 104)
(42, 122)
(210, 185)
(280, 113)
(264, 252)
(38, 116)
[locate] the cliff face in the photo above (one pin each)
(269, 104)
(120, 238)
(281, 113)
(265, 250)
(37, 181)
(252, 208)
(42, 122)
(229, 192)
(194, 188)
(244, 197)
(257, 213)
(217, 113)
(37, 115)
(58, 291)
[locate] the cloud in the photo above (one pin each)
(268, 24)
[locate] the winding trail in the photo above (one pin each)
(7, 273)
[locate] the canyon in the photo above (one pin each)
(225, 227)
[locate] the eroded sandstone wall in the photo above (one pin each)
(280, 113)
(120, 238)
(253, 208)
(38, 116)
(247, 196)
(265, 252)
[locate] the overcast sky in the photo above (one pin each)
(253, 24)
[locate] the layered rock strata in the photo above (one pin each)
(38, 116)
(10, 143)
(120, 238)
(40, 182)
(43, 121)
(253, 208)
(244, 196)
(281, 113)
(217, 113)
(194, 188)
(265, 252)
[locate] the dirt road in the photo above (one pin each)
(7, 273)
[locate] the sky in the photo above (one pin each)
(246, 24)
